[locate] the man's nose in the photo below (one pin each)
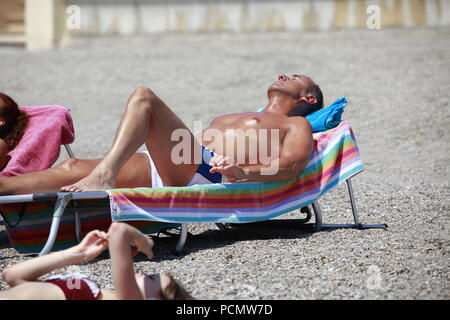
(282, 77)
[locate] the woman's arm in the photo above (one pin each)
(121, 236)
(91, 246)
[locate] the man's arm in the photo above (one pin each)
(295, 154)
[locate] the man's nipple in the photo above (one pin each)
(252, 121)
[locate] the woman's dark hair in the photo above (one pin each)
(175, 291)
(16, 121)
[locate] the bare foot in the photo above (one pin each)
(93, 182)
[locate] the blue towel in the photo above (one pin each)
(326, 118)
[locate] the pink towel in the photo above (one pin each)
(48, 128)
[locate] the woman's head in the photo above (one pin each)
(12, 121)
(160, 286)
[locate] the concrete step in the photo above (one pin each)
(14, 40)
(15, 29)
(14, 16)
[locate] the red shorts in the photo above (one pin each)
(76, 288)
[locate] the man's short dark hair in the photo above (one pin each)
(314, 90)
(305, 108)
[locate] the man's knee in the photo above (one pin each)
(143, 94)
(145, 99)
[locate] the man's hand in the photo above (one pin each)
(227, 167)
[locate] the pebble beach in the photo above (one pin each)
(397, 84)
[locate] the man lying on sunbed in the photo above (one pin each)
(277, 146)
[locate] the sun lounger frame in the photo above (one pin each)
(64, 198)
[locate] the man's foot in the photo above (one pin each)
(93, 182)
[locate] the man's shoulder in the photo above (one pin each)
(227, 116)
(233, 116)
(300, 123)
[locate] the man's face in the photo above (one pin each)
(293, 85)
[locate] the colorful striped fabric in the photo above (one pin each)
(335, 159)
(28, 224)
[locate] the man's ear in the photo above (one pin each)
(309, 99)
(2, 122)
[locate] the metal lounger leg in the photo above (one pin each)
(352, 201)
(69, 151)
(359, 225)
(318, 216)
(60, 206)
(77, 222)
(76, 214)
(182, 239)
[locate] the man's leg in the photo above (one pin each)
(135, 173)
(147, 119)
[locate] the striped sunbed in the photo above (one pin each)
(34, 223)
(335, 159)
(28, 223)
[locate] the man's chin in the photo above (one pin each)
(276, 87)
(276, 84)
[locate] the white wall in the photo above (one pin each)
(46, 19)
(104, 17)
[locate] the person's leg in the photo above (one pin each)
(33, 291)
(135, 173)
(147, 119)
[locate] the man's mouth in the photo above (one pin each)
(278, 83)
